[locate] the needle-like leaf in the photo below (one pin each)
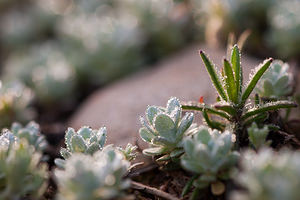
(252, 83)
(257, 118)
(212, 124)
(230, 83)
(201, 106)
(226, 108)
(268, 107)
(188, 185)
(236, 65)
(213, 75)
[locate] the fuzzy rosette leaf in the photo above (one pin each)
(15, 101)
(7, 139)
(93, 177)
(129, 152)
(46, 70)
(21, 173)
(284, 28)
(85, 140)
(276, 83)
(164, 129)
(269, 175)
(257, 136)
(208, 154)
(30, 132)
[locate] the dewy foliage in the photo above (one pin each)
(21, 173)
(164, 129)
(15, 101)
(31, 132)
(94, 177)
(234, 96)
(276, 82)
(257, 136)
(85, 140)
(129, 152)
(269, 175)
(208, 154)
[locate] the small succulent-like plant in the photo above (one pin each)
(31, 132)
(21, 173)
(257, 136)
(233, 106)
(35, 19)
(107, 53)
(15, 101)
(164, 129)
(269, 175)
(274, 24)
(85, 140)
(282, 36)
(208, 154)
(7, 138)
(276, 83)
(129, 152)
(45, 70)
(93, 177)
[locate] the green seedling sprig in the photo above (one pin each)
(235, 95)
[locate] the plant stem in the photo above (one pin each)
(195, 194)
(200, 107)
(151, 190)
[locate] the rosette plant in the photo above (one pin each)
(268, 175)
(46, 70)
(209, 156)
(21, 173)
(85, 140)
(31, 132)
(93, 177)
(164, 129)
(258, 136)
(234, 105)
(128, 152)
(15, 103)
(276, 83)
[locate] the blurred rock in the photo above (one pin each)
(119, 105)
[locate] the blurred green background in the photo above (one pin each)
(54, 53)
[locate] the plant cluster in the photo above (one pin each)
(234, 106)
(269, 175)
(15, 101)
(46, 70)
(210, 153)
(93, 177)
(91, 170)
(22, 174)
(165, 129)
(85, 141)
(57, 48)
(274, 23)
(276, 83)
(31, 133)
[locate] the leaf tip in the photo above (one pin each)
(235, 46)
(201, 52)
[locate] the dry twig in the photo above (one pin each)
(151, 190)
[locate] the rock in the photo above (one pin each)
(118, 106)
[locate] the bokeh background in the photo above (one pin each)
(56, 53)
